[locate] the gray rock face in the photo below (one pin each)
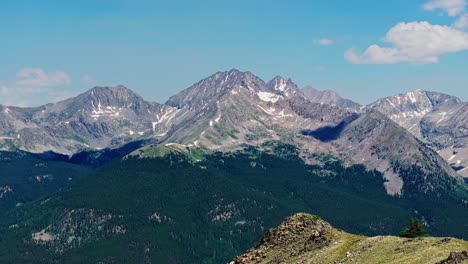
(329, 98)
(438, 119)
(446, 126)
(99, 118)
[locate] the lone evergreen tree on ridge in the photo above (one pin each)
(416, 229)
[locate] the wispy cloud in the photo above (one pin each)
(452, 7)
(462, 22)
(324, 42)
(38, 77)
(34, 86)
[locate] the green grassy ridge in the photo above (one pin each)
(260, 188)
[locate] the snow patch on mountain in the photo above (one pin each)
(163, 120)
(268, 97)
(110, 111)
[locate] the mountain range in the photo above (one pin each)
(200, 177)
(232, 108)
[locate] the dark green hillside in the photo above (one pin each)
(25, 177)
(171, 210)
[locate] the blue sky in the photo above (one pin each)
(50, 50)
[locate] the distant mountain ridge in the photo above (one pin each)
(438, 119)
(101, 117)
(329, 97)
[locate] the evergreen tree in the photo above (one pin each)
(416, 229)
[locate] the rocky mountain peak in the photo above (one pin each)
(118, 94)
(436, 118)
(328, 97)
(101, 99)
(310, 91)
(414, 103)
(215, 86)
(298, 233)
(411, 107)
(286, 87)
(297, 227)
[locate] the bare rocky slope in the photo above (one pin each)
(305, 238)
(440, 120)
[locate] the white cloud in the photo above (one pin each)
(38, 77)
(462, 22)
(32, 96)
(375, 55)
(324, 42)
(452, 7)
(415, 42)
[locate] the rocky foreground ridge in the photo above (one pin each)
(304, 238)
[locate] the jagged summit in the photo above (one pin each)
(233, 82)
(117, 97)
(286, 87)
(215, 86)
(118, 92)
